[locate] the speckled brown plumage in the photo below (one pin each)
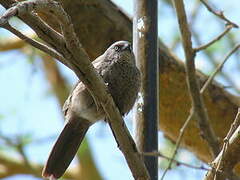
(118, 70)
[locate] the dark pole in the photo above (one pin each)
(145, 45)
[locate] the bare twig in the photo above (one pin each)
(78, 61)
(42, 29)
(206, 84)
(48, 50)
(21, 151)
(219, 14)
(228, 28)
(179, 139)
(229, 155)
(213, 61)
(159, 154)
(233, 127)
(192, 19)
(197, 101)
(219, 67)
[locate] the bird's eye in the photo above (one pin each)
(117, 48)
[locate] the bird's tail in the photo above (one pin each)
(65, 148)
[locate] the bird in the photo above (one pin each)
(117, 67)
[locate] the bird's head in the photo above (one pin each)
(120, 50)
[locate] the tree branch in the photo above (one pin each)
(219, 67)
(219, 14)
(228, 28)
(35, 43)
(79, 62)
(179, 163)
(230, 154)
(193, 87)
(186, 123)
(197, 101)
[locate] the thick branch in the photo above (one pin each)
(79, 62)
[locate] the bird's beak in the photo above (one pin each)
(127, 47)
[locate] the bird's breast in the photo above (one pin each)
(123, 80)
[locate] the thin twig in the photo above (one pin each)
(190, 54)
(233, 127)
(219, 14)
(228, 28)
(179, 139)
(41, 28)
(193, 86)
(213, 61)
(159, 154)
(206, 84)
(48, 50)
(229, 156)
(219, 67)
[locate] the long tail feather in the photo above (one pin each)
(65, 148)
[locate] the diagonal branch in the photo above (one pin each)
(230, 154)
(41, 28)
(218, 14)
(219, 67)
(228, 28)
(34, 43)
(79, 62)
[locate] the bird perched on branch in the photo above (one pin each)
(118, 69)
